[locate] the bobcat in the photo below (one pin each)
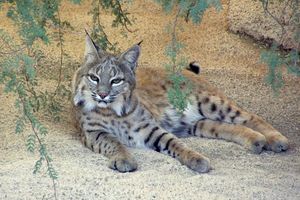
(116, 105)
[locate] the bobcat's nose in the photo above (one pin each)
(103, 95)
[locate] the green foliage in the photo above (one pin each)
(277, 60)
(18, 70)
(31, 17)
(115, 8)
(76, 1)
(176, 94)
(30, 143)
(181, 87)
(20, 124)
(271, 58)
(18, 74)
(45, 157)
(192, 9)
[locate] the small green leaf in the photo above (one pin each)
(19, 125)
(30, 143)
(52, 173)
(38, 165)
(76, 1)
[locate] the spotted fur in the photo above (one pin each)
(118, 105)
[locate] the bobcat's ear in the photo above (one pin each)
(130, 57)
(92, 51)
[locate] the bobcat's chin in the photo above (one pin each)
(102, 104)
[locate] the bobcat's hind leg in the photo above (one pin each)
(242, 135)
(275, 140)
(107, 145)
(222, 109)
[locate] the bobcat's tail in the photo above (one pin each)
(194, 67)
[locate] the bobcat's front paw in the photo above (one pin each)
(197, 162)
(277, 143)
(123, 163)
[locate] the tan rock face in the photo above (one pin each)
(249, 17)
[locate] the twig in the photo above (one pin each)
(12, 51)
(60, 36)
(174, 38)
(284, 11)
(25, 112)
(265, 4)
(46, 158)
(100, 25)
(125, 18)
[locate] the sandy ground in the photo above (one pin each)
(229, 62)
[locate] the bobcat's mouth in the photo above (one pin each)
(102, 103)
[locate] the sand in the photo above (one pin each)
(228, 61)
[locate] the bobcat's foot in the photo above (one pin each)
(277, 143)
(123, 163)
(197, 162)
(257, 144)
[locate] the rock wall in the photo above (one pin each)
(249, 17)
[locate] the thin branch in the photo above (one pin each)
(11, 50)
(285, 9)
(60, 37)
(46, 158)
(25, 112)
(266, 9)
(125, 18)
(174, 38)
(100, 25)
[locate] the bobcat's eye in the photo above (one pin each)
(94, 78)
(117, 81)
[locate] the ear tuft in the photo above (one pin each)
(92, 51)
(140, 43)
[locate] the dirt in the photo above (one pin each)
(228, 61)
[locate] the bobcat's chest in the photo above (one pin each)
(123, 128)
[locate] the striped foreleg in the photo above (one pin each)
(109, 146)
(167, 143)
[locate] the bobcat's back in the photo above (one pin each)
(153, 84)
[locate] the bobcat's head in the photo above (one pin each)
(107, 80)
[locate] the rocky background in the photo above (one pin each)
(276, 24)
